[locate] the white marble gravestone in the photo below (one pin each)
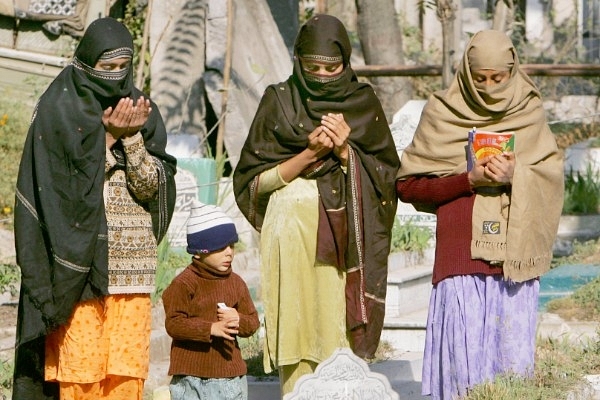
(343, 376)
(404, 123)
(403, 128)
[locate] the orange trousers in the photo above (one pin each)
(103, 352)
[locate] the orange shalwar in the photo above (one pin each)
(103, 349)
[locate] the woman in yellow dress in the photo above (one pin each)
(316, 178)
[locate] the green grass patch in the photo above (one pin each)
(6, 377)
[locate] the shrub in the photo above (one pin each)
(582, 192)
(14, 123)
(169, 261)
(10, 279)
(407, 236)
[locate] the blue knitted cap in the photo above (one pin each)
(209, 229)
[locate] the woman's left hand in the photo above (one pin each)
(501, 168)
(338, 130)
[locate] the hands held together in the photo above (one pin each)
(493, 171)
(331, 135)
(228, 323)
(125, 119)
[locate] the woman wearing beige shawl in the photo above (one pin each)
(483, 307)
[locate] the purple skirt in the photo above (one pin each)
(478, 326)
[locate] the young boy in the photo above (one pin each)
(206, 306)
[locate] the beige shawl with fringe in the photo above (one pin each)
(528, 216)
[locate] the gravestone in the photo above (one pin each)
(195, 180)
(343, 376)
(404, 124)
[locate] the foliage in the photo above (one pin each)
(169, 261)
(583, 304)
(408, 236)
(587, 252)
(568, 134)
(412, 38)
(305, 11)
(582, 192)
(252, 353)
(14, 123)
(135, 19)
(588, 298)
(6, 378)
(10, 278)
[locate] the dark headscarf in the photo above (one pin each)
(60, 223)
(287, 113)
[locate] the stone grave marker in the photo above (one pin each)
(403, 128)
(343, 376)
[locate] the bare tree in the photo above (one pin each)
(381, 41)
(504, 16)
(446, 14)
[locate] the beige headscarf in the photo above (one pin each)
(528, 216)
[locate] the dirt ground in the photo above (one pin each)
(8, 315)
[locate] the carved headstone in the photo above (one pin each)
(343, 376)
(403, 129)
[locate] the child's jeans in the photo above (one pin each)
(185, 387)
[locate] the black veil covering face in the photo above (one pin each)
(106, 38)
(323, 40)
(60, 223)
(288, 113)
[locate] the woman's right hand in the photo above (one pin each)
(125, 119)
(319, 143)
(477, 176)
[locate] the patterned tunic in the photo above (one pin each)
(132, 248)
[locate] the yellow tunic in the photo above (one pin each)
(305, 308)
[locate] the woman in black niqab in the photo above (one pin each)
(60, 223)
(355, 195)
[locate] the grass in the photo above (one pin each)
(582, 305)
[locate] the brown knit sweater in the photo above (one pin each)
(190, 303)
(453, 198)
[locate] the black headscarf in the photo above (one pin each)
(286, 115)
(60, 223)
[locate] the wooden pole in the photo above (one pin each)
(225, 92)
(436, 70)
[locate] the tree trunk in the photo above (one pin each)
(345, 11)
(381, 41)
(504, 16)
(446, 13)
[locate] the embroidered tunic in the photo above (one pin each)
(132, 254)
